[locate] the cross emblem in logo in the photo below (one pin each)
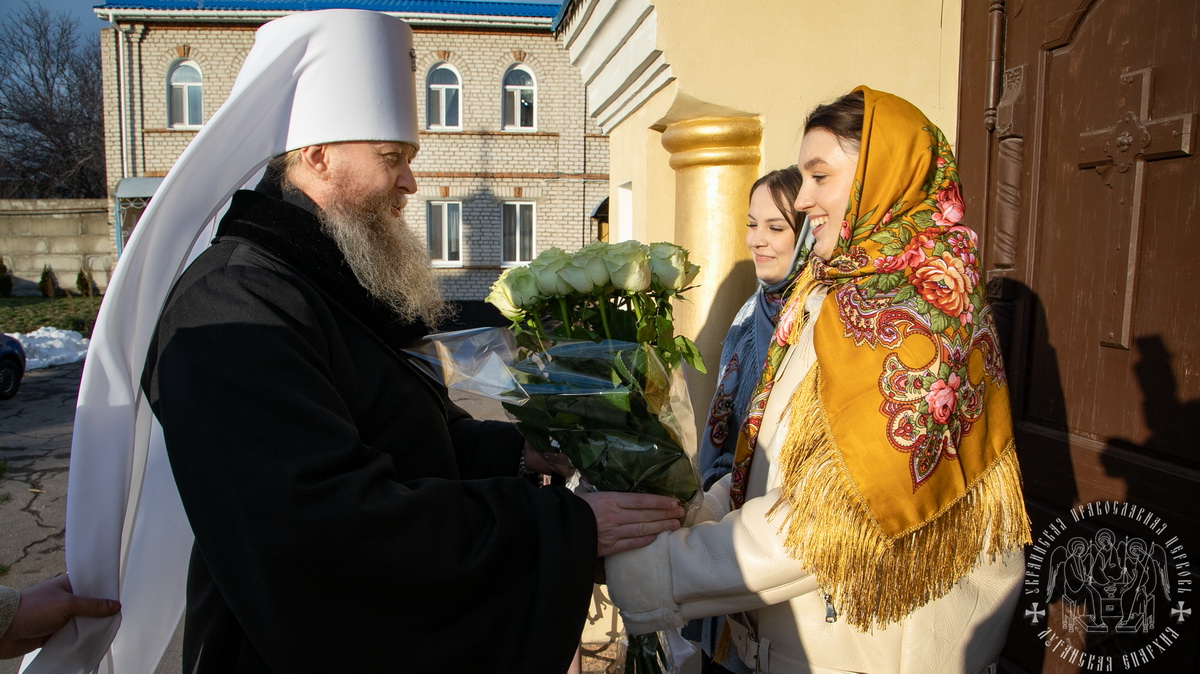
(1180, 612)
(1035, 613)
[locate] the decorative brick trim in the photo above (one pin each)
(481, 30)
(161, 130)
(509, 134)
(501, 66)
(493, 175)
(181, 52)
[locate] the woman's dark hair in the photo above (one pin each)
(784, 185)
(843, 118)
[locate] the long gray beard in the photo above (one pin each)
(386, 257)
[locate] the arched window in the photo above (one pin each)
(443, 99)
(185, 101)
(520, 99)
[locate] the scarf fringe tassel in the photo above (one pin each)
(875, 579)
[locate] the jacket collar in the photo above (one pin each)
(287, 228)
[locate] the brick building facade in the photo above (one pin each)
(510, 162)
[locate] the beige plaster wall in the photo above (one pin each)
(778, 58)
(637, 157)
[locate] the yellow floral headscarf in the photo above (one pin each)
(898, 462)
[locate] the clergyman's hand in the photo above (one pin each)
(629, 521)
(550, 463)
(46, 608)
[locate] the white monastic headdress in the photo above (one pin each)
(311, 78)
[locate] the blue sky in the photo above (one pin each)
(81, 10)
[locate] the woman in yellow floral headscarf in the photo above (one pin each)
(874, 519)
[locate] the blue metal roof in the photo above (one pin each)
(460, 7)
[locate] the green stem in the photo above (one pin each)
(601, 305)
(635, 302)
(537, 331)
(562, 305)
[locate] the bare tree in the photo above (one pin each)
(51, 135)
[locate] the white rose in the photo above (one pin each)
(668, 266)
(524, 288)
(586, 271)
(513, 293)
(546, 269)
(628, 265)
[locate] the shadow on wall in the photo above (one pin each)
(741, 282)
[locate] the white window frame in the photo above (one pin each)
(517, 207)
(441, 91)
(512, 96)
(185, 98)
(444, 208)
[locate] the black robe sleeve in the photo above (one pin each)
(484, 448)
(322, 480)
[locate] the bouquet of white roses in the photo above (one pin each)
(621, 291)
(593, 368)
(615, 404)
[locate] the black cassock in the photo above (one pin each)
(348, 517)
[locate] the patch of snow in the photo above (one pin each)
(46, 347)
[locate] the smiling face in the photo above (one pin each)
(828, 170)
(769, 237)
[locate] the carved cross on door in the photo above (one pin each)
(1134, 140)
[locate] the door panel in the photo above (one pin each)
(1078, 122)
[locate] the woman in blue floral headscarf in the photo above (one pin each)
(779, 242)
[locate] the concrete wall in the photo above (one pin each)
(66, 234)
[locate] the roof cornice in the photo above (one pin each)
(251, 16)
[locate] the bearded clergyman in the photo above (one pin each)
(347, 516)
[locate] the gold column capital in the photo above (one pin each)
(713, 141)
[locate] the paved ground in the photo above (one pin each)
(35, 442)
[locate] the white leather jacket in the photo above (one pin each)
(734, 563)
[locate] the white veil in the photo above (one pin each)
(311, 78)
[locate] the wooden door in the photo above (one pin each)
(1078, 124)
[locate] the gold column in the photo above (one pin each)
(715, 161)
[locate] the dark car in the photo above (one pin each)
(12, 366)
